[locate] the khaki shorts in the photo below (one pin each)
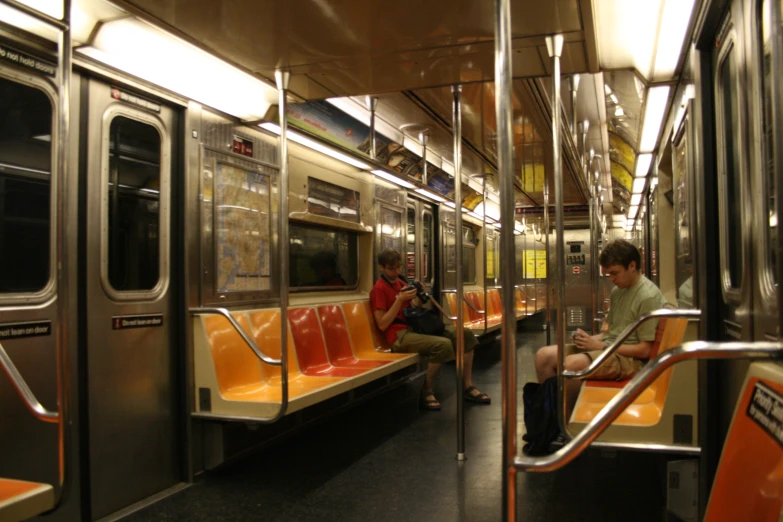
(437, 349)
(616, 368)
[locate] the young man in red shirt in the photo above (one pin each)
(388, 301)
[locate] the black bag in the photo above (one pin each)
(426, 321)
(540, 402)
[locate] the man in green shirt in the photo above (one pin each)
(633, 297)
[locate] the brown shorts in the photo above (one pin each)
(616, 368)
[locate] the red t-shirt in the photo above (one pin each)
(382, 297)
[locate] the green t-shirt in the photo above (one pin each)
(626, 305)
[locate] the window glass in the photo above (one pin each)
(25, 187)
(134, 201)
(322, 257)
(429, 273)
(732, 215)
(468, 255)
(410, 260)
(768, 138)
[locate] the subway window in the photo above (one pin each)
(322, 258)
(468, 255)
(391, 229)
(25, 188)
(429, 272)
(731, 172)
(410, 260)
(134, 205)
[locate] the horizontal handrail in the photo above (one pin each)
(38, 15)
(24, 391)
(640, 382)
(447, 316)
(482, 312)
(609, 350)
(225, 313)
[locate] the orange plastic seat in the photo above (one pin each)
(647, 409)
(748, 484)
(338, 343)
(241, 376)
(494, 307)
(467, 320)
(362, 331)
(378, 341)
(310, 348)
(20, 500)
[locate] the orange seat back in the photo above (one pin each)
(379, 342)
(338, 343)
(308, 340)
(235, 363)
(358, 324)
(451, 299)
(748, 484)
(265, 328)
(495, 303)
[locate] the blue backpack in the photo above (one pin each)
(540, 401)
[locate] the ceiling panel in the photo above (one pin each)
(363, 46)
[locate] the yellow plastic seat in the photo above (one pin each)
(647, 409)
(361, 331)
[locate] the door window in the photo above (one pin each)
(410, 259)
(25, 188)
(133, 205)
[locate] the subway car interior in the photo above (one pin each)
(194, 195)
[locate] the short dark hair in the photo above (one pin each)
(620, 252)
(389, 257)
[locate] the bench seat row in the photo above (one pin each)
(491, 303)
(332, 349)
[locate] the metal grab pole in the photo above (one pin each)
(574, 84)
(423, 139)
(282, 78)
(372, 103)
(593, 241)
(503, 114)
(65, 72)
(460, 324)
(554, 45)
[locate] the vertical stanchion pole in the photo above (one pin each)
(64, 73)
(503, 114)
(372, 104)
(423, 140)
(282, 78)
(585, 126)
(593, 240)
(554, 45)
(546, 227)
(460, 326)
(574, 84)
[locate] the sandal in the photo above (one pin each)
(473, 394)
(429, 402)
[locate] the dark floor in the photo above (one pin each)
(387, 461)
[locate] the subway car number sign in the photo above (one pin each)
(123, 322)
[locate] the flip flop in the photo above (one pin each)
(429, 402)
(479, 397)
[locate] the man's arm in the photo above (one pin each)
(587, 342)
(384, 318)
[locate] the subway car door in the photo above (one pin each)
(132, 376)
(733, 194)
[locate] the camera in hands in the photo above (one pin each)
(420, 292)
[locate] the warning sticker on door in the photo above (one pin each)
(121, 322)
(29, 329)
(766, 410)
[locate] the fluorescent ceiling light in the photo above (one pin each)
(447, 168)
(307, 142)
(629, 227)
(493, 197)
(636, 199)
(23, 21)
(451, 204)
(475, 185)
(352, 108)
(142, 50)
(619, 112)
(613, 98)
(430, 195)
(496, 225)
(394, 179)
(653, 116)
(643, 162)
(671, 33)
(632, 212)
(638, 185)
(492, 209)
(473, 214)
(607, 89)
